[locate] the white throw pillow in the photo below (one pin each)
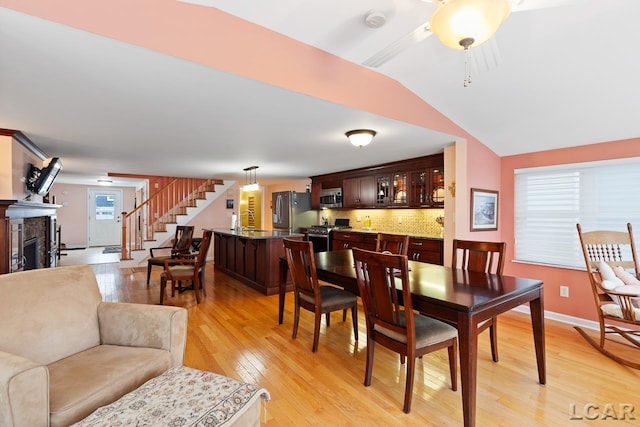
(625, 276)
(606, 271)
(610, 285)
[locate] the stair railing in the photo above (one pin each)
(160, 209)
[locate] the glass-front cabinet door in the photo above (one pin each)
(419, 189)
(437, 187)
(399, 189)
(383, 191)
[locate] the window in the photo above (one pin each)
(105, 207)
(550, 201)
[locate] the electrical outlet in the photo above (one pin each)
(358, 218)
(564, 291)
(399, 220)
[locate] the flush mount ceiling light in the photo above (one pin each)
(251, 184)
(105, 182)
(361, 137)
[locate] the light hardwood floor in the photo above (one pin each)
(235, 332)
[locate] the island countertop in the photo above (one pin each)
(256, 234)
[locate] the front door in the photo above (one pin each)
(105, 208)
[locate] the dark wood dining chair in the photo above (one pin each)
(481, 257)
(612, 265)
(395, 326)
(394, 243)
(181, 245)
(187, 269)
(310, 295)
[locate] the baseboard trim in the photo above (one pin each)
(571, 320)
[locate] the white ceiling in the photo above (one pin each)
(566, 75)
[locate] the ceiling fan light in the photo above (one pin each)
(361, 137)
(457, 22)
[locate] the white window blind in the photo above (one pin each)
(549, 202)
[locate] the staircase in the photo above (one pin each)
(153, 222)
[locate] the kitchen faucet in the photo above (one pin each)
(251, 216)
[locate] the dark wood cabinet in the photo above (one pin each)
(252, 260)
(348, 240)
(426, 250)
(411, 183)
(359, 192)
(426, 188)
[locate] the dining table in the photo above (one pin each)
(459, 297)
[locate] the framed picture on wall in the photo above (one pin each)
(484, 210)
(229, 203)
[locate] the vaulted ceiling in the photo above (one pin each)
(208, 87)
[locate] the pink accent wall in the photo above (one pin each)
(580, 303)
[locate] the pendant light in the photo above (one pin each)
(253, 185)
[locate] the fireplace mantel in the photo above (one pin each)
(14, 209)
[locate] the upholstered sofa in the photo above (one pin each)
(64, 352)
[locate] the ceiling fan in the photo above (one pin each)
(424, 30)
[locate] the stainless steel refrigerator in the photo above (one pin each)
(292, 210)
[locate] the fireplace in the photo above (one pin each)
(30, 253)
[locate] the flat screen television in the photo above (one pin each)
(39, 181)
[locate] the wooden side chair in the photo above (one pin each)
(612, 265)
(394, 326)
(187, 268)
(482, 257)
(181, 245)
(310, 295)
(394, 243)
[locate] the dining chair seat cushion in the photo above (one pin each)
(158, 260)
(331, 296)
(428, 331)
(180, 270)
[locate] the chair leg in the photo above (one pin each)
(368, 371)
(163, 284)
(148, 273)
(296, 320)
(354, 320)
(344, 315)
(202, 282)
(316, 330)
(493, 336)
(196, 288)
(408, 388)
(328, 316)
(453, 364)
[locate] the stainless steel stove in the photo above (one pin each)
(320, 235)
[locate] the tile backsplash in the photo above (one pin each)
(402, 221)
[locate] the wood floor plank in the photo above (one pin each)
(234, 332)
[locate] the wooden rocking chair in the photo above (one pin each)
(618, 301)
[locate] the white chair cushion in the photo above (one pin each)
(614, 310)
(625, 276)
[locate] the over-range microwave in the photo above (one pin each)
(331, 198)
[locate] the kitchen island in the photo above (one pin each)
(251, 256)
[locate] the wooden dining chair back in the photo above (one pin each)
(310, 295)
(187, 269)
(181, 244)
(391, 322)
(394, 243)
(612, 265)
(481, 257)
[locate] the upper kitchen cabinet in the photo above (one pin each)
(427, 188)
(359, 192)
(411, 183)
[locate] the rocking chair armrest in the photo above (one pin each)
(159, 247)
(626, 292)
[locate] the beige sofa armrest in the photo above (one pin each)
(24, 392)
(143, 325)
